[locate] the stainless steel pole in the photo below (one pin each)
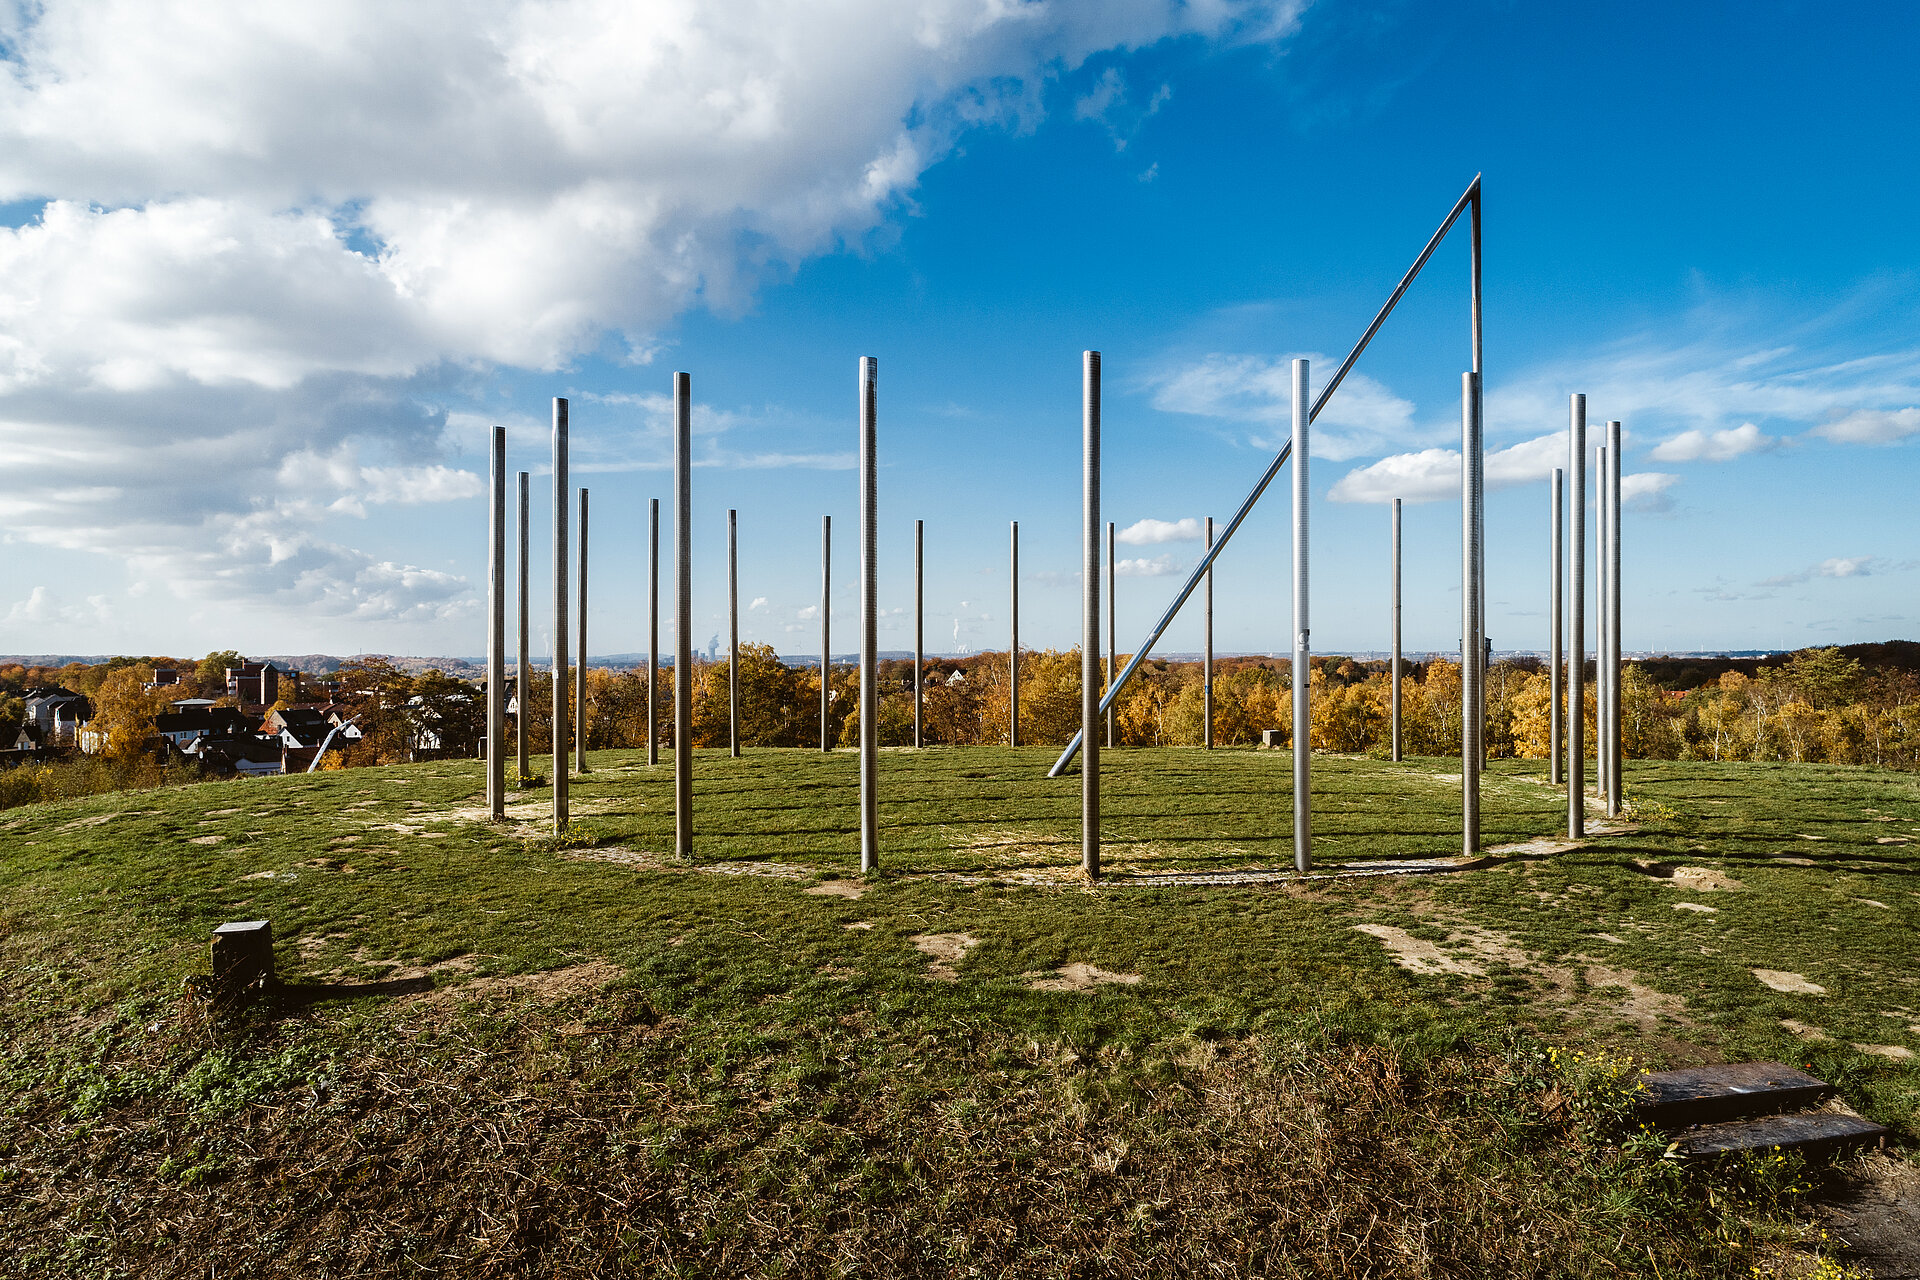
(1302, 633)
(869, 617)
(1013, 649)
(682, 615)
(1615, 746)
(653, 632)
(919, 622)
(1206, 661)
(497, 626)
(559, 734)
(1471, 198)
(1113, 651)
(1556, 626)
(1577, 617)
(1472, 654)
(1090, 611)
(580, 680)
(1396, 629)
(523, 686)
(1603, 735)
(733, 632)
(826, 627)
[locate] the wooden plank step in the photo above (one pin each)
(1812, 1133)
(1705, 1095)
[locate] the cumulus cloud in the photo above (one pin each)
(42, 607)
(1156, 567)
(1149, 531)
(1432, 475)
(267, 235)
(1647, 491)
(1700, 445)
(1868, 426)
(1256, 391)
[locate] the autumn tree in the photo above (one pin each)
(123, 712)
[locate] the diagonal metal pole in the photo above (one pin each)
(1469, 201)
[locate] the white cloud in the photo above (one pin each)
(1846, 567)
(809, 613)
(759, 604)
(1433, 475)
(1146, 532)
(1700, 445)
(1363, 417)
(1157, 567)
(1647, 491)
(1867, 426)
(43, 608)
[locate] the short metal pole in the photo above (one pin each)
(1395, 594)
(1302, 633)
(1616, 746)
(653, 632)
(1577, 617)
(497, 626)
(580, 680)
(1013, 648)
(559, 615)
(919, 624)
(1206, 662)
(523, 687)
(733, 632)
(869, 618)
(1556, 625)
(1089, 612)
(1113, 651)
(1472, 658)
(826, 627)
(682, 615)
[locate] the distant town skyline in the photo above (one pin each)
(267, 277)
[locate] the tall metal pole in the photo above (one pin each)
(826, 627)
(1472, 623)
(1469, 199)
(497, 626)
(1013, 648)
(580, 680)
(919, 622)
(1302, 634)
(869, 617)
(1090, 611)
(1601, 732)
(653, 632)
(523, 686)
(1396, 629)
(1577, 617)
(1113, 596)
(559, 615)
(1615, 745)
(1556, 625)
(733, 632)
(1206, 662)
(682, 615)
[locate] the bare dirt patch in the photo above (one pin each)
(1788, 983)
(551, 987)
(1874, 1211)
(1701, 907)
(947, 950)
(1641, 1003)
(858, 924)
(837, 889)
(1080, 977)
(1418, 955)
(205, 839)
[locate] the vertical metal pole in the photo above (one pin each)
(1396, 629)
(682, 615)
(733, 632)
(497, 626)
(869, 618)
(523, 686)
(1577, 617)
(559, 615)
(1601, 772)
(919, 622)
(1206, 661)
(653, 632)
(1302, 633)
(826, 627)
(1090, 612)
(1472, 655)
(1614, 745)
(1013, 648)
(1113, 651)
(580, 679)
(1555, 625)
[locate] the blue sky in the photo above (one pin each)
(255, 340)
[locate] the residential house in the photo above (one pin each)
(254, 684)
(307, 730)
(57, 713)
(194, 718)
(250, 755)
(166, 678)
(23, 747)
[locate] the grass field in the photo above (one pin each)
(497, 1053)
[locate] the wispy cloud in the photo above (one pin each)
(1700, 445)
(1833, 567)
(1872, 426)
(1255, 393)
(1156, 567)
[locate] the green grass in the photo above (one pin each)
(764, 1087)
